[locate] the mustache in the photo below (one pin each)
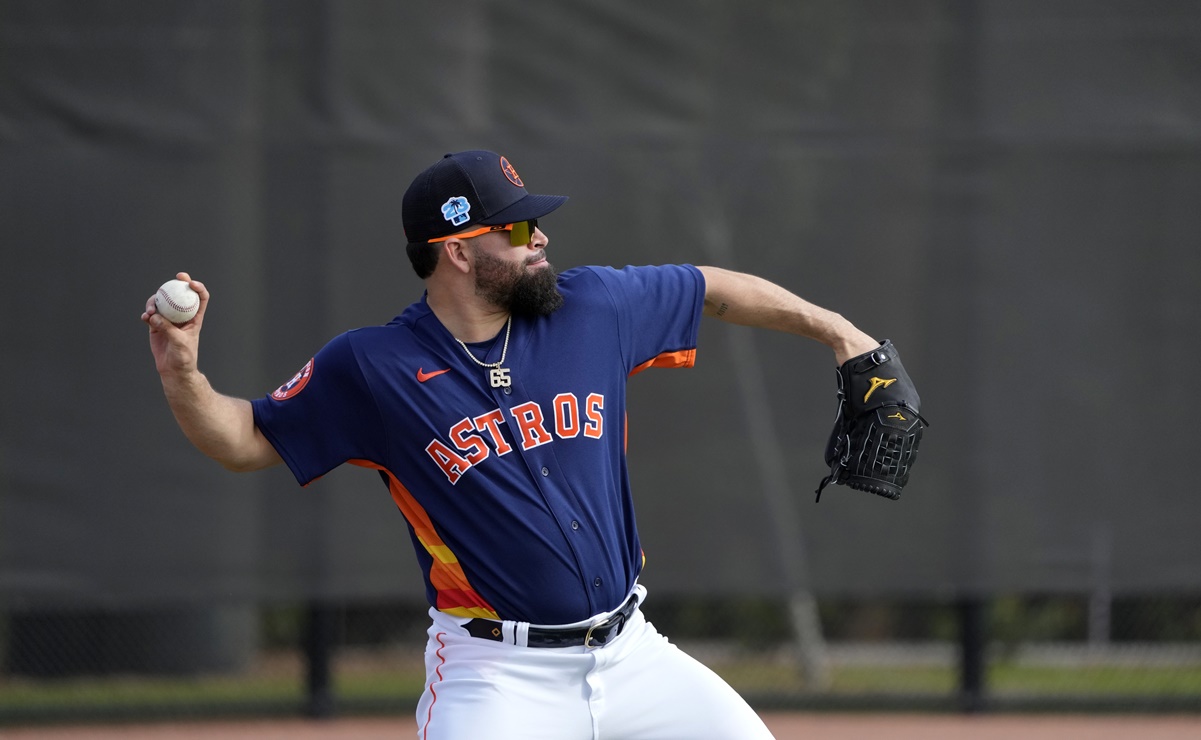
(536, 257)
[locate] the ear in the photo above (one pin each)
(457, 254)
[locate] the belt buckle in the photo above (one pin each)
(588, 637)
(615, 620)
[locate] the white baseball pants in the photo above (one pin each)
(638, 687)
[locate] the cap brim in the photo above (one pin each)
(531, 206)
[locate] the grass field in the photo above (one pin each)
(783, 726)
(395, 681)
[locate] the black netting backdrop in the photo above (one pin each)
(1005, 189)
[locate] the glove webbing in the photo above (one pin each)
(844, 442)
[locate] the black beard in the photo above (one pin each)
(516, 289)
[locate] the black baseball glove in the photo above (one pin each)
(878, 428)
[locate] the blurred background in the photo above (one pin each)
(1008, 189)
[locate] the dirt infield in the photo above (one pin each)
(785, 726)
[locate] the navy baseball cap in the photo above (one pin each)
(467, 189)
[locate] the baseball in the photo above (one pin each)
(176, 302)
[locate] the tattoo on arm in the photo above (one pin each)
(723, 308)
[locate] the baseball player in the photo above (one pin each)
(493, 408)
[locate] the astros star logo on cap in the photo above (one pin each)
(510, 172)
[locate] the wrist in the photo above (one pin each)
(183, 382)
(851, 342)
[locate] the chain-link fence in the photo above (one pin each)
(1040, 652)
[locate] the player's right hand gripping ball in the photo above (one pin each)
(878, 428)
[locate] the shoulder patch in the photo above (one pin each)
(295, 385)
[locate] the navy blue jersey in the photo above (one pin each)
(517, 499)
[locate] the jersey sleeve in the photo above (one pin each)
(658, 313)
(323, 416)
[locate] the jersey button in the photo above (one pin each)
(597, 582)
(508, 390)
(575, 524)
(545, 470)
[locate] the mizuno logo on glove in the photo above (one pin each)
(873, 446)
(877, 383)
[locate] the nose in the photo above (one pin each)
(539, 239)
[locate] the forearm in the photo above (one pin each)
(748, 300)
(220, 426)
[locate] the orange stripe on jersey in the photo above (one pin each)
(682, 358)
(455, 596)
(464, 604)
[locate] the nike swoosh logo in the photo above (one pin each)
(423, 376)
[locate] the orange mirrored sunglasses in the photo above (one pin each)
(520, 233)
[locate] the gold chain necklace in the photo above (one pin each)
(498, 376)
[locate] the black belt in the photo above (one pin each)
(598, 635)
